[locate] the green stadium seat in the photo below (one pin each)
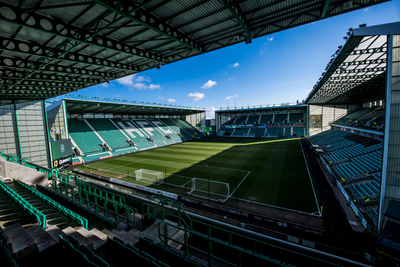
(83, 136)
(148, 256)
(6, 254)
(119, 240)
(186, 261)
(74, 242)
(162, 264)
(100, 262)
(86, 251)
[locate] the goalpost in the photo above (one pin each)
(149, 176)
(209, 189)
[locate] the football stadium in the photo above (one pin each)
(93, 181)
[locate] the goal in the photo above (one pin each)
(209, 189)
(149, 176)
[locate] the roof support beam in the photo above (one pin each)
(35, 49)
(325, 8)
(150, 21)
(88, 36)
(58, 6)
(11, 64)
(238, 15)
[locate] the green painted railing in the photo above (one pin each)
(67, 212)
(25, 162)
(166, 208)
(25, 205)
(101, 200)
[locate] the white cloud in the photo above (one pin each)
(231, 96)
(138, 82)
(230, 78)
(235, 65)
(195, 96)
(143, 79)
(154, 86)
(143, 86)
(209, 84)
(225, 72)
(117, 95)
(127, 80)
(170, 100)
(366, 9)
(210, 113)
(140, 86)
(270, 39)
(97, 92)
(104, 84)
(160, 97)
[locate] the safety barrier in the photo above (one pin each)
(67, 212)
(63, 188)
(25, 205)
(25, 162)
(235, 244)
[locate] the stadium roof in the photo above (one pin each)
(50, 48)
(258, 108)
(123, 107)
(357, 71)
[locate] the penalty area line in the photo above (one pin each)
(238, 185)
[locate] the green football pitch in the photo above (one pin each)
(256, 171)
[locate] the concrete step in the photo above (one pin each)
(135, 232)
(54, 231)
(133, 239)
(22, 243)
(125, 237)
(43, 239)
(152, 230)
(108, 233)
(81, 239)
(99, 234)
(97, 242)
(179, 235)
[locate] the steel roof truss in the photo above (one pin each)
(124, 8)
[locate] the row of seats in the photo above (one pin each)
(84, 137)
(353, 151)
(368, 118)
(257, 132)
(127, 136)
(267, 119)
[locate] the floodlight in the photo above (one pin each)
(248, 40)
(362, 25)
(345, 38)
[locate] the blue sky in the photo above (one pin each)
(274, 69)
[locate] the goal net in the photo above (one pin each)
(149, 176)
(209, 189)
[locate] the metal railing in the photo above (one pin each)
(235, 243)
(67, 212)
(25, 205)
(79, 191)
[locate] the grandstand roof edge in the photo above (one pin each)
(139, 104)
(352, 43)
(260, 108)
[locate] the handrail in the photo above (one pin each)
(24, 162)
(76, 217)
(163, 235)
(117, 201)
(40, 217)
(189, 231)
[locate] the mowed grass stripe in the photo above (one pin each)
(278, 174)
